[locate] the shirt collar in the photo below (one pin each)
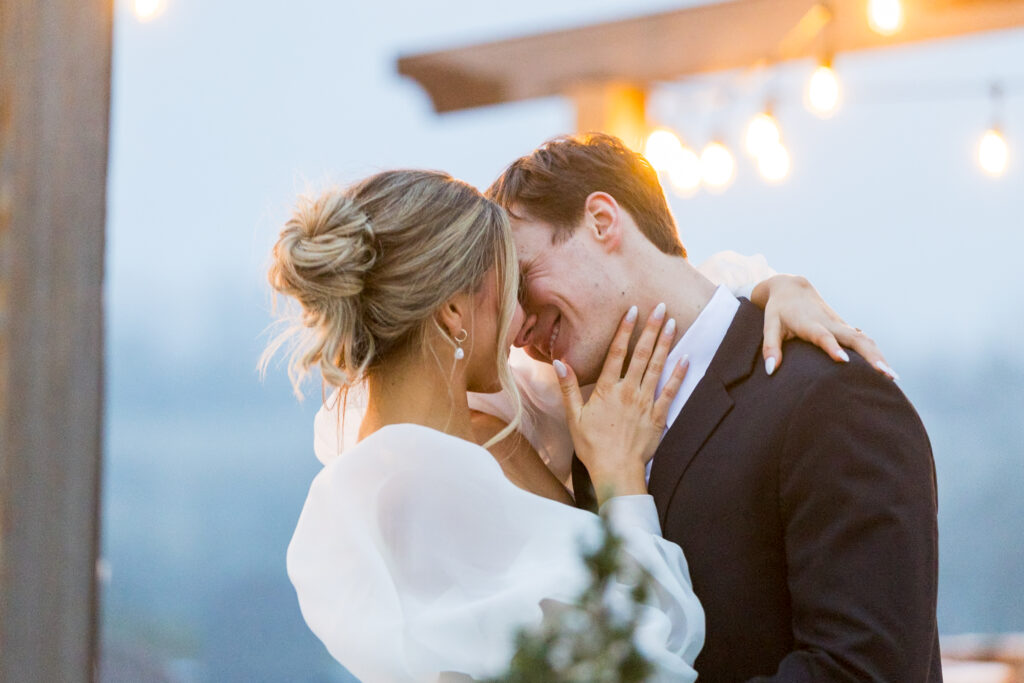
(700, 342)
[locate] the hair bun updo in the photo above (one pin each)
(325, 251)
(322, 259)
(372, 263)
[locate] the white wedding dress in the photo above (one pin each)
(415, 559)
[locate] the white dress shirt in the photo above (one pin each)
(700, 342)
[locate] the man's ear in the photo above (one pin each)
(602, 216)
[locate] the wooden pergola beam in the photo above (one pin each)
(672, 45)
(618, 108)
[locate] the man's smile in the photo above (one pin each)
(555, 328)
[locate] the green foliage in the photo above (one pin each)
(590, 641)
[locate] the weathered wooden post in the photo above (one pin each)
(54, 106)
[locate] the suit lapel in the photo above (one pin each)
(582, 486)
(709, 403)
(704, 410)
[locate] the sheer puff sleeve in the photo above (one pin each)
(737, 272)
(414, 556)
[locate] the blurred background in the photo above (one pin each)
(223, 112)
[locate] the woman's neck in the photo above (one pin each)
(416, 389)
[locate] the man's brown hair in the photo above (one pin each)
(553, 183)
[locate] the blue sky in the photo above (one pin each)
(224, 111)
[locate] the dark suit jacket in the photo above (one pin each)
(805, 504)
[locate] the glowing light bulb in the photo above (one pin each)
(684, 175)
(762, 131)
(993, 153)
(823, 91)
(663, 149)
(773, 162)
(717, 166)
(146, 9)
(885, 16)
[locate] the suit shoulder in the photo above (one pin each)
(808, 363)
(807, 371)
(828, 389)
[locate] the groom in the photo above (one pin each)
(804, 499)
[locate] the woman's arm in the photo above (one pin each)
(518, 459)
(414, 555)
(793, 309)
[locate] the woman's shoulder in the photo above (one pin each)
(336, 434)
(737, 272)
(409, 434)
(409, 448)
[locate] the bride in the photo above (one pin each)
(432, 535)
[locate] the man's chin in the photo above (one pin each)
(585, 373)
(588, 376)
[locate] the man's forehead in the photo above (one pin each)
(524, 233)
(527, 240)
(525, 253)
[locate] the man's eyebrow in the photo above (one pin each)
(513, 214)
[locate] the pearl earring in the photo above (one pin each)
(461, 337)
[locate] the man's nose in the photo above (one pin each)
(523, 338)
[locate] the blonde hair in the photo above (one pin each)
(371, 264)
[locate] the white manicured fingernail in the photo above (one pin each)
(844, 356)
(560, 368)
(670, 327)
(887, 370)
(631, 314)
(659, 311)
(683, 361)
(769, 365)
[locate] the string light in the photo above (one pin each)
(685, 174)
(822, 94)
(669, 156)
(717, 166)
(762, 131)
(764, 142)
(773, 162)
(993, 153)
(146, 9)
(663, 149)
(885, 16)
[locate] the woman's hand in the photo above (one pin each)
(793, 308)
(618, 429)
